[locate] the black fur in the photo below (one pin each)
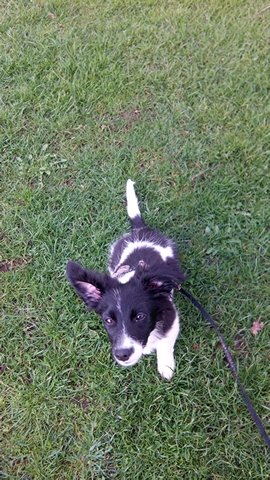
(147, 292)
(137, 222)
(142, 304)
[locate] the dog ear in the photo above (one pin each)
(163, 281)
(158, 284)
(89, 285)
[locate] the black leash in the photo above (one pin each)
(231, 363)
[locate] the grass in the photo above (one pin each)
(174, 95)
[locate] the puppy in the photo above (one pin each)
(134, 299)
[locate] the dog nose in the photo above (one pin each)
(123, 354)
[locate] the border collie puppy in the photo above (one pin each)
(134, 299)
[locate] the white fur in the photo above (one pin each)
(128, 342)
(117, 298)
(164, 252)
(162, 344)
(111, 272)
(153, 338)
(165, 348)
(126, 277)
(132, 201)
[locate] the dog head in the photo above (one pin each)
(129, 311)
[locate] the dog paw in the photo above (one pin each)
(166, 369)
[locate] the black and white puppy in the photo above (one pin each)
(134, 299)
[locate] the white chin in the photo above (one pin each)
(136, 355)
(128, 363)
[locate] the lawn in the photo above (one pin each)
(175, 95)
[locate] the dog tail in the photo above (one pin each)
(133, 210)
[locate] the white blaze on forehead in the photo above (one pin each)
(132, 201)
(126, 341)
(116, 294)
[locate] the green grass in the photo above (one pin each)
(174, 95)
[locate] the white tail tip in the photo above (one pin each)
(132, 201)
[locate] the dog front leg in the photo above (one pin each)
(165, 351)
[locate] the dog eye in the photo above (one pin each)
(139, 317)
(109, 321)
